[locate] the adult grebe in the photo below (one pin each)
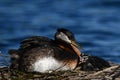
(41, 54)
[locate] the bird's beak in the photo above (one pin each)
(75, 47)
(75, 44)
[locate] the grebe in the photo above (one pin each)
(41, 54)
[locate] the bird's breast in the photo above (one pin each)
(51, 64)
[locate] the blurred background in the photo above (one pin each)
(95, 23)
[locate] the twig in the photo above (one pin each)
(103, 71)
(116, 73)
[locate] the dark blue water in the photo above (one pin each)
(95, 23)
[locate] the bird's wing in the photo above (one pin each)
(34, 41)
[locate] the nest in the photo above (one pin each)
(89, 70)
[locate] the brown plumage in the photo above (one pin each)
(41, 54)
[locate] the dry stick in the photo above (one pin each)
(115, 70)
(99, 72)
(115, 73)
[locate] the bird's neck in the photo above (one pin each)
(69, 47)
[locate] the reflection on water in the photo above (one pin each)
(95, 23)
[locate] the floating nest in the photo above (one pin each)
(111, 73)
(93, 68)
